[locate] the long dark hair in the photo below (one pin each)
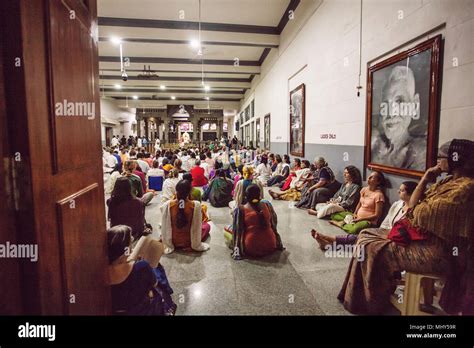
(410, 186)
(382, 181)
(122, 191)
(355, 175)
(183, 189)
(252, 194)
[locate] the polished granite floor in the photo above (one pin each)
(300, 280)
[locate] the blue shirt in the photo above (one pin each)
(119, 160)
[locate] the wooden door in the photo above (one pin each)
(54, 123)
(108, 135)
(10, 289)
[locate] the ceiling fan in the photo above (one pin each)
(148, 74)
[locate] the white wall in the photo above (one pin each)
(121, 119)
(325, 34)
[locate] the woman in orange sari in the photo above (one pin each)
(182, 225)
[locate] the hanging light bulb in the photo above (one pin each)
(199, 52)
(116, 40)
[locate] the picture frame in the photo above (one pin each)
(266, 136)
(297, 121)
(403, 109)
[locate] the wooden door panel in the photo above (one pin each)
(61, 155)
(10, 292)
(72, 85)
(83, 277)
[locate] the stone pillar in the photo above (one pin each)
(151, 138)
(147, 134)
(165, 132)
(219, 129)
(160, 130)
(195, 130)
(139, 130)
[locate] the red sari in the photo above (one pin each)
(290, 177)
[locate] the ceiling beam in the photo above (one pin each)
(186, 42)
(196, 68)
(177, 98)
(169, 90)
(168, 87)
(179, 60)
(189, 71)
(264, 55)
(286, 15)
(187, 25)
(176, 78)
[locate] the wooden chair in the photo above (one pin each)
(408, 303)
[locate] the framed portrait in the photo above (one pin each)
(402, 110)
(266, 131)
(297, 118)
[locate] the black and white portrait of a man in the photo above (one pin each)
(400, 108)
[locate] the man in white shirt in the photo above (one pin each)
(184, 158)
(157, 145)
(110, 162)
(114, 142)
(143, 165)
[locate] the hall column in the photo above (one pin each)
(195, 130)
(219, 129)
(165, 132)
(147, 135)
(139, 126)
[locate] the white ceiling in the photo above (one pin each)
(153, 34)
(250, 12)
(106, 48)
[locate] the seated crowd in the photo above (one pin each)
(416, 235)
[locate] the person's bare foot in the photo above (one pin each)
(312, 212)
(328, 239)
(273, 194)
(322, 242)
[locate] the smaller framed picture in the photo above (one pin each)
(266, 139)
(297, 121)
